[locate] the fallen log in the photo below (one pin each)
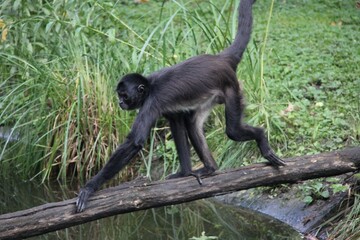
(141, 194)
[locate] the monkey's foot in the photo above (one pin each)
(83, 197)
(202, 172)
(273, 159)
(205, 171)
(197, 174)
(176, 175)
(180, 174)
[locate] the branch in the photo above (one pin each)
(139, 195)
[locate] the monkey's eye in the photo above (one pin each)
(124, 96)
(141, 88)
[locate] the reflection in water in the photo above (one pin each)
(182, 221)
(8, 134)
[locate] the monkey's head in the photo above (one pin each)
(132, 91)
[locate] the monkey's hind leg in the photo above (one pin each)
(238, 131)
(179, 134)
(194, 125)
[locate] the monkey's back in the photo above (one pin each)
(198, 81)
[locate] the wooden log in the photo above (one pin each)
(138, 195)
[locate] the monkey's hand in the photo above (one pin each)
(83, 197)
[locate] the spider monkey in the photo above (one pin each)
(184, 94)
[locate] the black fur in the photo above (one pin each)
(132, 91)
(184, 94)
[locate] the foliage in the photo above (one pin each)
(321, 189)
(349, 226)
(319, 74)
(61, 60)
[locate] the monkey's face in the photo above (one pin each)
(132, 91)
(131, 94)
(131, 98)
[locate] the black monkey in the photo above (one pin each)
(184, 94)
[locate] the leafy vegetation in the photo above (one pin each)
(321, 189)
(60, 61)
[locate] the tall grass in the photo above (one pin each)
(349, 226)
(60, 64)
(59, 90)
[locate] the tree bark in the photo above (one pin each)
(141, 194)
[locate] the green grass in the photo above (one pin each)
(348, 227)
(60, 62)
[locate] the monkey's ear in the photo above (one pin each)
(141, 88)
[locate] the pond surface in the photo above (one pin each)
(183, 221)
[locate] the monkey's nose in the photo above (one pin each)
(123, 105)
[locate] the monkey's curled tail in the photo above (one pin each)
(237, 48)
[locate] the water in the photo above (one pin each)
(8, 134)
(182, 221)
